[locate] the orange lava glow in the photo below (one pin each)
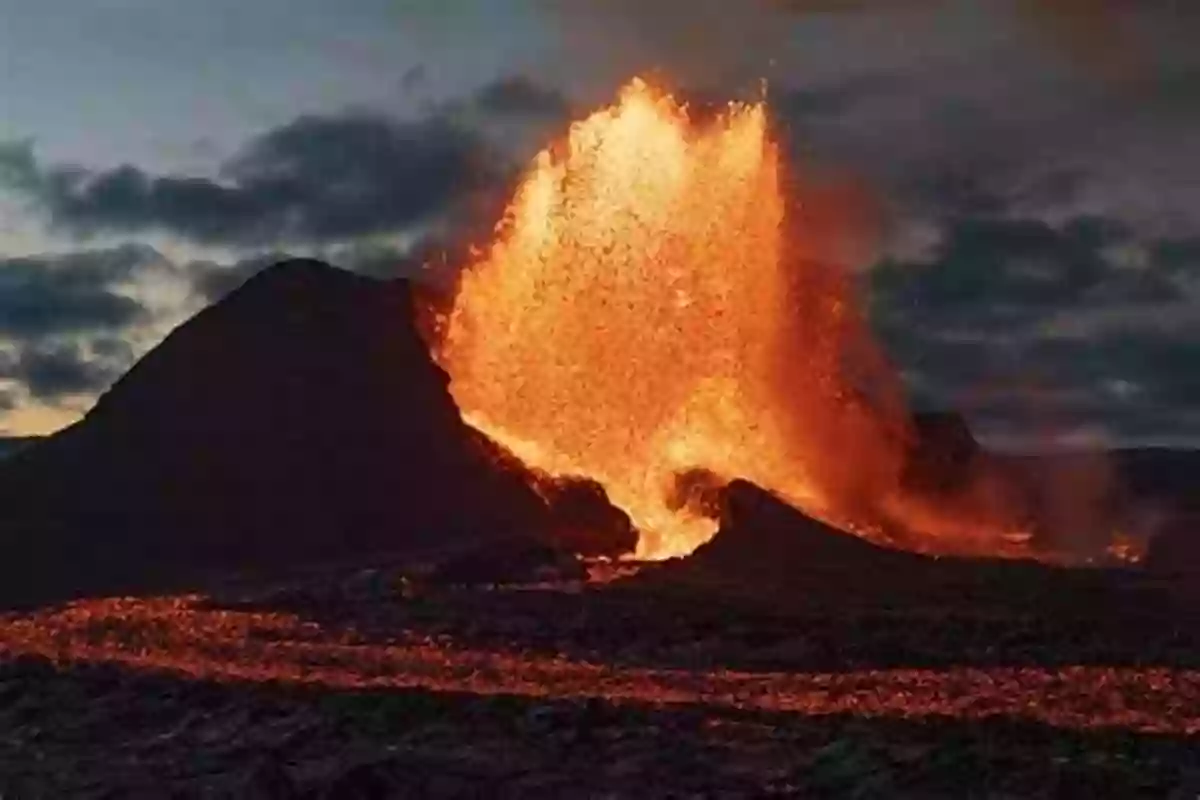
(1126, 549)
(178, 635)
(641, 315)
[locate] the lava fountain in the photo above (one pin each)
(638, 320)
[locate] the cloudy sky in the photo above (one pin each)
(1037, 164)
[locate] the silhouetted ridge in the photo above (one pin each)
(301, 419)
(762, 536)
(771, 551)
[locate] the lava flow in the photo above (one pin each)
(652, 309)
(188, 637)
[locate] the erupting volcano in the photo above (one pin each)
(653, 315)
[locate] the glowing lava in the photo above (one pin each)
(638, 319)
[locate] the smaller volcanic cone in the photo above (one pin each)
(766, 551)
(764, 541)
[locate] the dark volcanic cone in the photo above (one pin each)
(300, 420)
(763, 540)
(942, 453)
(767, 549)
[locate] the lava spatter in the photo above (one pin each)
(652, 307)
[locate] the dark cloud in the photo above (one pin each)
(66, 330)
(50, 372)
(1096, 34)
(993, 262)
(18, 167)
(316, 179)
(1134, 383)
(1176, 93)
(832, 100)
(977, 180)
(414, 77)
(1164, 368)
(212, 280)
(64, 320)
(383, 261)
(1015, 320)
(835, 6)
(70, 293)
(1179, 255)
(521, 96)
(1006, 122)
(998, 273)
(112, 349)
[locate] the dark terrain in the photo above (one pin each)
(842, 670)
(300, 420)
(377, 685)
(357, 630)
(14, 444)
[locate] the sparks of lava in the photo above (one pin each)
(641, 316)
(1126, 549)
(180, 635)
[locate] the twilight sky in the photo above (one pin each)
(1037, 163)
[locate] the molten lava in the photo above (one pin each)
(638, 319)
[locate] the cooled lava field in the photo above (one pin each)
(389, 682)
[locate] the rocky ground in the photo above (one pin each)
(104, 732)
(377, 685)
